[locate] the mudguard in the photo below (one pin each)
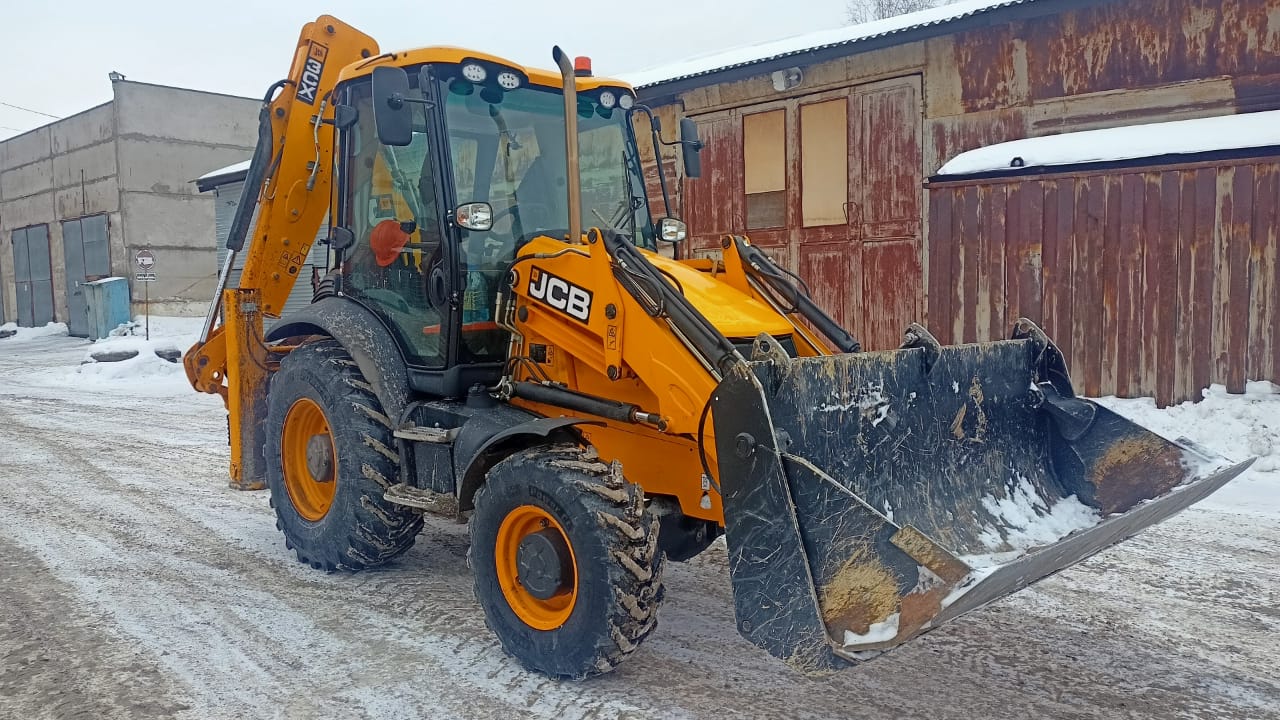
(481, 445)
(364, 336)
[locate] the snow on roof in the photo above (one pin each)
(1229, 132)
(751, 54)
(228, 170)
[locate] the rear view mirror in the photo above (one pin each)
(690, 145)
(391, 115)
(344, 116)
(474, 216)
(672, 230)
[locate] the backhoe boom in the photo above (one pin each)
(289, 184)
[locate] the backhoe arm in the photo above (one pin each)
(289, 183)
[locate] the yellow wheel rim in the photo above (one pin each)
(537, 613)
(309, 475)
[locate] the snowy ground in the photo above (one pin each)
(133, 583)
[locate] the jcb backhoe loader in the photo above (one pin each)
(593, 408)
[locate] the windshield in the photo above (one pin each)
(508, 149)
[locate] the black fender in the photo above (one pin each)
(364, 336)
(480, 446)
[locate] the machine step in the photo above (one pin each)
(426, 500)
(426, 434)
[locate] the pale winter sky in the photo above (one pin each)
(55, 57)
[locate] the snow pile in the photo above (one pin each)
(31, 333)
(1024, 521)
(1236, 426)
(1230, 132)
(146, 367)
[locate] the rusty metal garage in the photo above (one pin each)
(818, 148)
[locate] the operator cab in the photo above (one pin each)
(447, 170)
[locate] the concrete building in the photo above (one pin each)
(80, 196)
(825, 149)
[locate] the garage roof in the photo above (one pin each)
(832, 38)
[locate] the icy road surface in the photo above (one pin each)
(133, 583)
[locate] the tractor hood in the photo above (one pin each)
(734, 313)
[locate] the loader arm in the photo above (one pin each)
(289, 184)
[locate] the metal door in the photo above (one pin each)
(830, 184)
(859, 199)
(84, 244)
(885, 198)
(33, 275)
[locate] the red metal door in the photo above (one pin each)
(830, 186)
(826, 240)
(713, 202)
(885, 197)
(857, 214)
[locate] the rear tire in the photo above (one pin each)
(612, 540)
(341, 520)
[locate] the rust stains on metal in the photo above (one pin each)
(1132, 45)
(990, 80)
(979, 426)
(1134, 469)
(861, 592)
(930, 554)
(1146, 278)
(957, 423)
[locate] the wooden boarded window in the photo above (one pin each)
(764, 157)
(824, 162)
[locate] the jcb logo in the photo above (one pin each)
(312, 69)
(560, 294)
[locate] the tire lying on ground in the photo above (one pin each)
(330, 457)
(566, 561)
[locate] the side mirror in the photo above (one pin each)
(391, 115)
(672, 230)
(474, 216)
(344, 116)
(341, 238)
(690, 145)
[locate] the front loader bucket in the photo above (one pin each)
(870, 497)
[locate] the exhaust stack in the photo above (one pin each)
(573, 181)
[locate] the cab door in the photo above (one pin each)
(389, 201)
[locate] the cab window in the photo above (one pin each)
(390, 203)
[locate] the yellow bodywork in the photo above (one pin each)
(651, 368)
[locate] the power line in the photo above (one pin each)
(6, 127)
(37, 112)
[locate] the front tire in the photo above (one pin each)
(330, 457)
(588, 552)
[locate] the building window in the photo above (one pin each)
(824, 162)
(764, 157)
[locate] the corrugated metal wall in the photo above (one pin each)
(228, 199)
(1153, 281)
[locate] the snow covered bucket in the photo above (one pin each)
(870, 497)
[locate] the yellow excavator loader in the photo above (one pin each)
(594, 409)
